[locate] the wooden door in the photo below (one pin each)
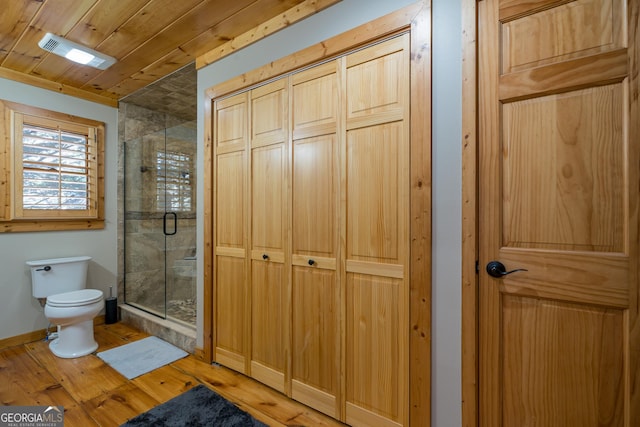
(558, 120)
(268, 222)
(315, 288)
(376, 190)
(232, 297)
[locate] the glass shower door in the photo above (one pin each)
(178, 181)
(160, 233)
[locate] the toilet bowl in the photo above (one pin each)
(61, 282)
(74, 312)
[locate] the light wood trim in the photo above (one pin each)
(319, 262)
(367, 418)
(277, 23)
(230, 252)
(469, 216)
(274, 256)
(209, 234)
(323, 402)
(28, 79)
(420, 267)
(512, 9)
(22, 339)
(604, 68)
(230, 360)
(268, 376)
(352, 39)
(198, 353)
(341, 244)
(633, 317)
(395, 271)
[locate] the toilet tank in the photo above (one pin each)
(58, 275)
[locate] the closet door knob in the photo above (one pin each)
(311, 262)
(265, 256)
(498, 270)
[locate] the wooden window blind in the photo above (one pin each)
(55, 168)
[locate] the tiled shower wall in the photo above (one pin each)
(142, 136)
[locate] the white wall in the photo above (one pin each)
(20, 313)
(446, 394)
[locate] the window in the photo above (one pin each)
(53, 168)
(174, 181)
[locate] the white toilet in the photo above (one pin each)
(69, 305)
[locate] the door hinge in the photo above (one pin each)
(477, 266)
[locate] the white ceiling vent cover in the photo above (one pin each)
(76, 52)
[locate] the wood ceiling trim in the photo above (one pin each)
(277, 23)
(17, 76)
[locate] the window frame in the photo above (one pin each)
(12, 217)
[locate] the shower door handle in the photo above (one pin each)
(175, 223)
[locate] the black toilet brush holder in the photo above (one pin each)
(111, 308)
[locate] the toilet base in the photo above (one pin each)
(74, 340)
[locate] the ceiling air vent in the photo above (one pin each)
(75, 52)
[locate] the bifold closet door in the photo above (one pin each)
(315, 203)
(269, 220)
(232, 300)
(377, 235)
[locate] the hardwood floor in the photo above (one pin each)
(94, 394)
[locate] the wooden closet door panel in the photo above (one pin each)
(231, 289)
(377, 83)
(269, 220)
(315, 331)
(315, 189)
(268, 325)
(269, 111)
(315, 101)
(375, 394)
(374, 213)
(314, 200)
(231, 124)
(315, 326)
(231, 295)
(230, 200)
(268, 198)
(377, 237)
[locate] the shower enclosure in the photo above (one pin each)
(160, 223)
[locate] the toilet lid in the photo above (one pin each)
(74, 298)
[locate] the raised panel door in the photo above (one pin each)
(559, 204)
(231, 290)
(377, 238)
(269, 221)
(315, 364)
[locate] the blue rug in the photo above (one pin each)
(199, 406)
(140, 357)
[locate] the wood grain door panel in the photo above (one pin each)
(270, 293)
(316, 326)
(377, 240)
(559, 199)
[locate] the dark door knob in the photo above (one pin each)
(311, 262)
(265, 256)
(497, 269)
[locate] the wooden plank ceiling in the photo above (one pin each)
(149, 38)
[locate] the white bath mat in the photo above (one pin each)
(140, 357)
